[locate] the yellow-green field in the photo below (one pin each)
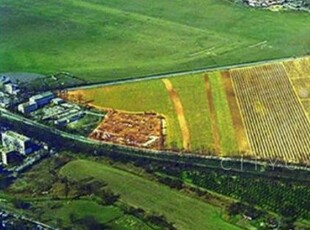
(193, 96)
(225, 113)
(227, 135)
(152, 96)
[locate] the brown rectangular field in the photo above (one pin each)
(274, 117)
(144, 130)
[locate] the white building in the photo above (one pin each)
(5, 100)
(15, 141)
(11, 88)
(58, 101)
(4, 80)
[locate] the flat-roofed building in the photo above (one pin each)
(27, 107)
(42, 99)
(15, 141)
(58, 101)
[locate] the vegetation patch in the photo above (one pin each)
(119, 40)
(154, 197)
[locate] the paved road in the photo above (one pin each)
(175, 74)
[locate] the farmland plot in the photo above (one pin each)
(275, 120)
(148, 96)
(299, 68)
(223, 118)
(299, 74)
(196, 109)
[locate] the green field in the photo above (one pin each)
(58, 212)
(182, 210)
(192, 92)
(80, 208)
(106, 40)
(224, 122)
(150, 96)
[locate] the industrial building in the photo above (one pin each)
(27, 107)
(42, 99)
(36, 102)
(17, 142)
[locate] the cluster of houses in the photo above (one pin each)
(47, 107)
(264, 3)
(290, 4)
(54, 109)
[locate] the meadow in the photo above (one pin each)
(182, 210)
(108, 40)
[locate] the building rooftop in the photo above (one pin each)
(16, 135)
(43, 95)
(28, 103)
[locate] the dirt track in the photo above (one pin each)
(180, 113)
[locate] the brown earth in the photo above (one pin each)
(143, 130)
(241, 136)
(215, 131)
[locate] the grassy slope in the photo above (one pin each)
(192, 92)
(82, 208)
(186, 212)
(113, 39)
(139, 97)
(223, 116)
(108, 215)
